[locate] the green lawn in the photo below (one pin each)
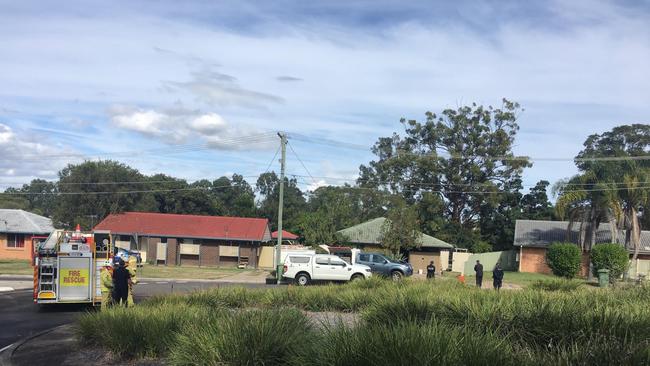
(522, 279)
(15, 267)
(205, 273)
(23, 267)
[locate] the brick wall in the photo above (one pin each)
(534, 260)
(209, 253)
(15, 253)
(172, 251)
(189, 260)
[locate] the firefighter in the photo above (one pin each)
(106, 276)
(132, 267)
(121, 279)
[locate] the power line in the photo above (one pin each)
(181, 181)
(479, 192)
(431, 184)
(116, 192)
(301, 163)
(272, 160)
(330, 142)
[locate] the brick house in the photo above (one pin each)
(194, 240)
(532, 238)
(17, 229)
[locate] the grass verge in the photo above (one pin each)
(206, 273)
(15, 267)
(523, 279)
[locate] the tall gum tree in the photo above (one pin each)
(464, 156)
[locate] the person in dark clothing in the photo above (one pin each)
(497, 277)
(121, 279)
(431, 270)
(478, 269)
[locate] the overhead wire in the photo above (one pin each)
(478, 192)
(431, 184)
(330, 142)
(116, 192)
(301, 163)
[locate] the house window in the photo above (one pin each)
(15, 241)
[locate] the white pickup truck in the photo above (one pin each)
(304, 268)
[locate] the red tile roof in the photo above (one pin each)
(187, 226)
(285, 235)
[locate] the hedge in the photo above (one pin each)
(613, 257)
(564, 259)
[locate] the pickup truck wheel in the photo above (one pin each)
(396, 275)
(302, 279)
(356, 277)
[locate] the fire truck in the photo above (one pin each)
(67, 267)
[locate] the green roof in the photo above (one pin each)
(369, 232)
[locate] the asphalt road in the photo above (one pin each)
(21, 318)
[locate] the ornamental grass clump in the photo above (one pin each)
(140, 331)
(412, 343)
(246, 337)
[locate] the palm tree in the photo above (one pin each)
(633, 196)
(585, 199)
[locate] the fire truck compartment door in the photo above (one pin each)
(75, 278)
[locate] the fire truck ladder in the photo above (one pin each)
(46, 281)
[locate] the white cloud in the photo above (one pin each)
(317, 184)
(217, 89)
(25, 158)
(577, 66)
(180, 125)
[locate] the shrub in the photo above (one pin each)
(613, 257)
(564, 259)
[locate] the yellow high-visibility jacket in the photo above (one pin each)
(106, 279)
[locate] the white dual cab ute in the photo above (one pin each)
(305, 268)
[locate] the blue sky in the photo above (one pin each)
(158, 79)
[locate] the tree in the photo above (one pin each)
(400, 231)
(623, 144)
(535, 205)
(464, 156)
(587, 200)
(38, 196)
(294, 201)
(13, 199)
(481, 247)
(235, 196)
(90, 191)
(564, 259)
(498, 216)
(329, 209)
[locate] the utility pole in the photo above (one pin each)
(278, 248)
